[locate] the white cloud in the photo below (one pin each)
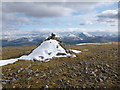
(109, 17)
(86, 23)
(58, 30)
(37, 9)
(43, 30)
(109, 14)
(31, 11)
(48, 10)
(61, 1)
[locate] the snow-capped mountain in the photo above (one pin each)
(66, 37)
(72, 35)
(87, 34)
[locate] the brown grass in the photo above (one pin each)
(63, 68)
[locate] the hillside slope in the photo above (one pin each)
(96, 67)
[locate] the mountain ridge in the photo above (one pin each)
(67, 38)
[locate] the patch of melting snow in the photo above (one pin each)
(9, 61)
(82, 44)
(46, 50)
(94, 43)
(75, 51)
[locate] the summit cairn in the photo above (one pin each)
(51, 47)
(53, 36)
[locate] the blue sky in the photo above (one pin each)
(32, 17)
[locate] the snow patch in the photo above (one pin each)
(72, 35)
(9, 61)
(82, 44)
(85, 50)
(47, 50)
(87, 34)
(75, 51)
(94, 43)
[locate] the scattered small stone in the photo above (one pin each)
(108, 65)
(93, 73)
(36, 81)
(37, 70)
(74, 74)
(85, 50)
(45, 86)
(43, 76)
(96, 70)
(21, 68)
(37, 75)
(29, 86)
(11, 74)
(104, 78)
(80, 63)
(29, 78)
(9, 69)
(3, 82)
(13, 79)
(14, 86)
(99, 80)
(18, 71)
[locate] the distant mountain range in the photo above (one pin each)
(67, 38)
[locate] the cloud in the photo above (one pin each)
(25, 13)
(109, 17)
(49, 9)
(111, 14)
(59, 29)
(37, 9)
(86, 23)
(46, 30)
(18, 14)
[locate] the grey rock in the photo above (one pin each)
(29, 78)
(18, 71)
(14, 86)
(37, 75)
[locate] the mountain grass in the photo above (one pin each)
(14, 52)
(96, 67)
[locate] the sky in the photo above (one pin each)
(42, 17)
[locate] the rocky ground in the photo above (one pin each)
(96, 67)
